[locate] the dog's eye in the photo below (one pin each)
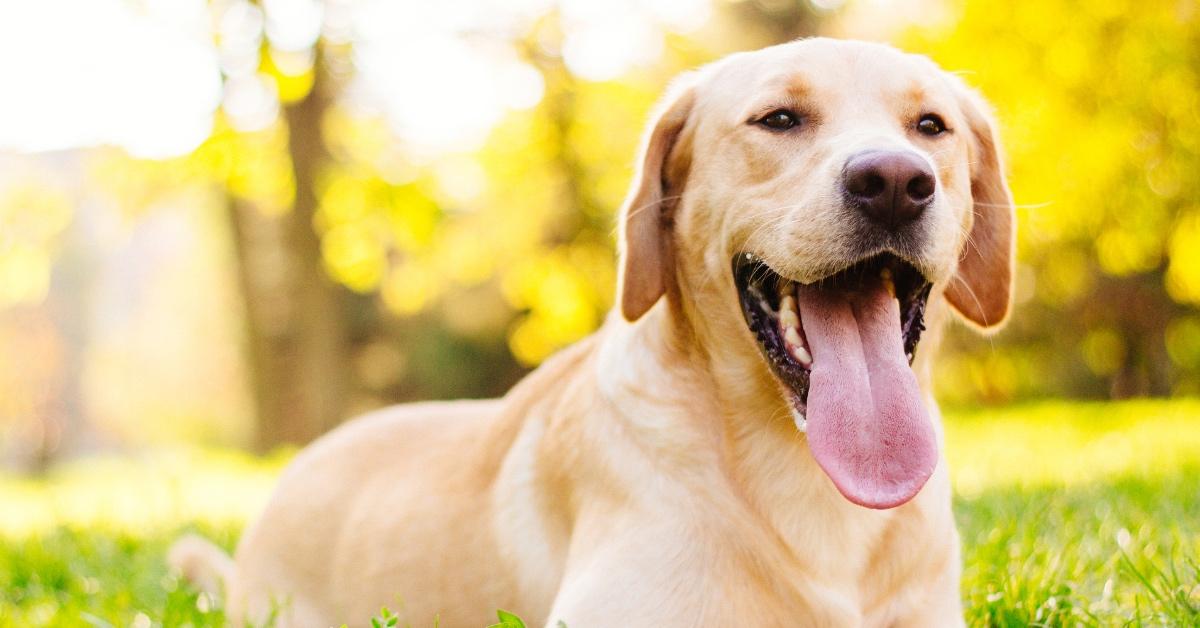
(780, 120)
(931, 124)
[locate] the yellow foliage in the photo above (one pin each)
(24, 275)
(353, 256)
(1097, 107)
(1183, 274)
(1183, 341)
(466, 256)
(410, 287)
(559, 290)
(1065, 276)
(251, 165)
(33, 216)
(1103, 351)
(1125, 252)
(292, 72)
(1097, 104)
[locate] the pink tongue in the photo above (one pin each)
(867, 427)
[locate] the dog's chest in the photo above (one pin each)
(865, 558)
(835, 538)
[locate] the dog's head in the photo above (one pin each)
(813, 196)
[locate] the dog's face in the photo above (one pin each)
(823, 190)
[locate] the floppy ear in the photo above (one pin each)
(646, 214)
(981, 289)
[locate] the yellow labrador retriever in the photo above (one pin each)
(749, 441)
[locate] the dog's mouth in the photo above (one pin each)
(842, 348)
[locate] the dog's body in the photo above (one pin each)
(652, 474)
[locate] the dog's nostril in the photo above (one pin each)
(920, 187)
(865, 183)
(873, 185)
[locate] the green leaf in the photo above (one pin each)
(386, 619)
(507, 620)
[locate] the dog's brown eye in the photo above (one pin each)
(931, 124)
(780, 120)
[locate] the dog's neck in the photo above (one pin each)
(652, 362)
(662, 369)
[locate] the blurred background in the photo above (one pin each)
(228, 225)
(238, 223)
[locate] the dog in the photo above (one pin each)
(748, 440)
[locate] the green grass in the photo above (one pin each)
(72, 576)
(1070, 514)
(1079, 514)
(1108, 554)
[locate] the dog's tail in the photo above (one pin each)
(202, 563)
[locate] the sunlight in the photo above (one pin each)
(146, 81)
(440, 89)
(242, 223)
(590, 28)
(444, 79)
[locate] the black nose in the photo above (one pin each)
(890, 187)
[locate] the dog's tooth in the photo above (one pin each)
(795, 345)
(802, 355)
(791, 336)
(801, 421)
(787, 312)
(886, 275)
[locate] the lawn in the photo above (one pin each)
(1071, 514)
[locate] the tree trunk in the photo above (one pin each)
(296, 318)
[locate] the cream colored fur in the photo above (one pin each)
(651, 475)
